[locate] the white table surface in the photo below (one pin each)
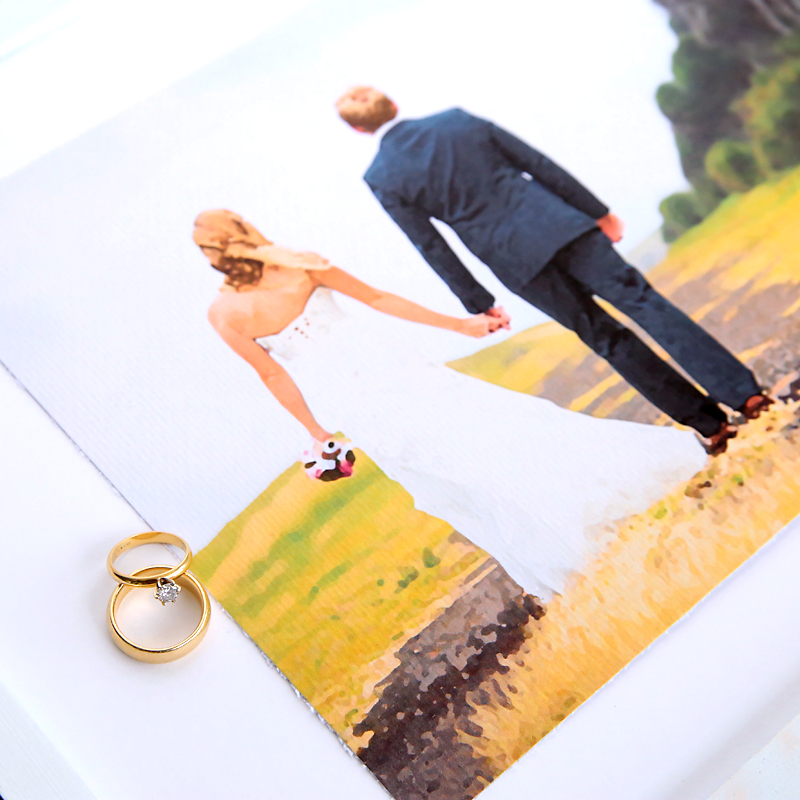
(676, 723)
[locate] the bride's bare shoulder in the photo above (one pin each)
(226, 308)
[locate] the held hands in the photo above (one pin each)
(499, 313)
(480, 325)
(612, 226)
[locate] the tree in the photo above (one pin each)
(706, 81)
(771, 114)
(734, 102)
(733, 165)
(698, 102)
(680, 213)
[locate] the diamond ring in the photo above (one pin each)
(169, 592)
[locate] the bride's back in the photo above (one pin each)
(266, 307)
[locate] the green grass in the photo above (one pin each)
(326, 576)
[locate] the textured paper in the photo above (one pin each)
(773, 772)
(410, 641)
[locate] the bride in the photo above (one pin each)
(519, 476)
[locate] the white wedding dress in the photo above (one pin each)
(524, 479)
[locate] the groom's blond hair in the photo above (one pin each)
(367, 117)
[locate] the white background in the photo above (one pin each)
(774, 772)
(675, 724)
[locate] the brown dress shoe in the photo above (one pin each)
(718, 443)
(755, 405)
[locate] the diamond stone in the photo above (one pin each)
(167, 591)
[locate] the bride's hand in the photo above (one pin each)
(479, 325)
(320, 435)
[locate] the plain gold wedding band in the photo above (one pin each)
(159, 655)
(149, 537)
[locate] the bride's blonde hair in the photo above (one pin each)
(218, 228)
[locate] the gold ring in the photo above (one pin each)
(164, 654)
(150, 537)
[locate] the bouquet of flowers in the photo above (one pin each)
(329, 460)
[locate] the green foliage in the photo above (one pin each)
(710, 73)
(706, 81)
(789, 47)
(733, 165)
(771, 114)
(429, 559)
(698, 104)
(680, 213)
(679, 25)
(735, 122)
(676, 103)
(708, 194)
(409, 575)
(692, 150)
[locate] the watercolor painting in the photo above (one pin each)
(449, 678)
(487, 524)
(416, 646)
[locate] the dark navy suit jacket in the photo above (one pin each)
(509, 204)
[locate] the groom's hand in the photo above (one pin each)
(499, 313)
(478, 325)
(612, 226)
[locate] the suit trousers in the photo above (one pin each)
(589, 266)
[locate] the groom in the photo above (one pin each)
(549, 240)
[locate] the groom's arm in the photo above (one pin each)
(435, 250)
(547, 173)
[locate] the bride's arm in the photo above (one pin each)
(335, 278)
(275, 377)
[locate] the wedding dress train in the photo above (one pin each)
(519, 476)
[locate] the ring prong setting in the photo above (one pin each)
(167, 591)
